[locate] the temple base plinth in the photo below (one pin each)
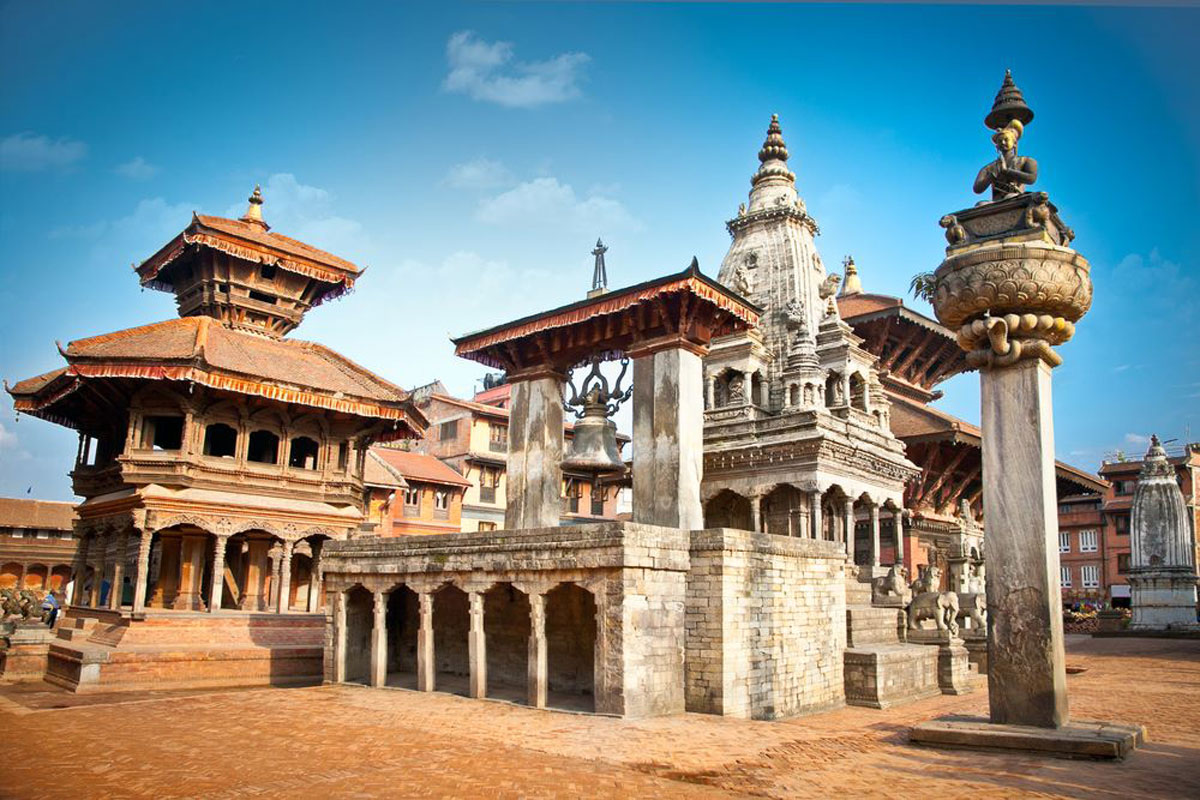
(1078, 739)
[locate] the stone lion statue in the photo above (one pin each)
(892, 587)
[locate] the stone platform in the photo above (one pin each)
(24, 650)
(110, 650)
(1080, 739)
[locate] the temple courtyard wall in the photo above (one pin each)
(618, 618)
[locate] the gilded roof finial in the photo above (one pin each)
(1008, 105)
(254, 211)
(774, 147)
(851, 283)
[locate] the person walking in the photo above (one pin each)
(50, 606)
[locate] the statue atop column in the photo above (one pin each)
(1010, 173)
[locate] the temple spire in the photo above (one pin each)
(253, 213)
(773, 156)
(850, 283)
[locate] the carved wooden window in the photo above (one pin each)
(1065, 577)
(263, 448)
(497, 438)
(489, 479)
(162, 432)
(304, 452)
(412, 502)
(441, 504)
(448, 430)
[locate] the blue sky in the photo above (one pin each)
(470, 154)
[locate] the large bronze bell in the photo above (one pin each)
(594, 446)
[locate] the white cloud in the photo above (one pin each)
(1158, 280)
(544, 202)
(30, 152)
(137, 169)
(305, 212)
(481, 173)
(10, 445)
(1137, 438)
(486, 71)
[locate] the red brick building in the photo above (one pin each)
(410, 494)
(37, 543)
(1081, 548)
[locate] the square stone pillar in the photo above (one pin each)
(314, 581)
(216, 591)
(668, 436)
(875, 543)
(426, 668)
(379, 642)
(168, 570)
(339, 632)
(535, 452)
(537, 664)
(477, 648)
(850, 530)
(116, 590)
(898, 527)
(1026, 672)
(191, 568)
(143, 572)
(285, 578)
(817, 529)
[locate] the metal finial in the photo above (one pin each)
(774, 148)
(1008, 105)
(599, 272)
(254, 210)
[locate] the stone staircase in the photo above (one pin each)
(881, 668)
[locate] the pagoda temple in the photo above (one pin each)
(216, 456)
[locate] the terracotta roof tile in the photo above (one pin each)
(278, 241)
(419, 467)
(377, 472)
(43, 514)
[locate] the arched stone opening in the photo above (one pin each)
(220, 440)
(858, 391)
(757, 389)
(833, 390)
(833, 515)
(571, 647)
(183, 570)
(248, 571)
(728, 509)
(889, 535)
(35, 576)
(402, 620)
(10, 575)
(783, 511)
(506, 627)
(451, 652)
(303, 452)
(360, 605)
(730, 388)
(862, 531)
(59, 577)
(263, 447)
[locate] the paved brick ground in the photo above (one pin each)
(358, 742)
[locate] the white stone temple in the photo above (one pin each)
(1162, 573)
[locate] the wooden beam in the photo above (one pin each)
(894, 355)
(958, 488)
(908, 362)
(948, 470)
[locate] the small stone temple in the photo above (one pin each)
(217, 456)
(1162, 573)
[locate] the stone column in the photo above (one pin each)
(876, 548)
(850, 530)
(535, 452)
(537, 665)
(426, 668)
(748, 387)
(80, 570)
(285, 577)
(379, 642)
(710, 391)
(217, 591)
(101, 568)
(668, 432)
(756, 513)
(191, 571)
(339, 631)
(814, 504)
(898, 524)
(117, 591)
(254, 587)
(274, 554)
(143, 572)
(314, 581)
(477, 648)
(1026, 673)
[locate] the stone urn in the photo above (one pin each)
(1010, 285)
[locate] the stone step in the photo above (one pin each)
(857, 593)
(867, 625)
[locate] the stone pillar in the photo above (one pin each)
(425, 664)
(80, 570)
(101, 563)
(1026, 671)
(314, 581)
(217, 590)
(748, 387)
(191, 571)
(898, 524)
(535, 452)
(668, 433)
(378, 641)
(254, 587)
(876, 548)
(169, 545)
(477, 648)
(143, 572)
(339, 631)
(850, 530)
(814, 505)
(537, 665)
(117, 591)
(756, 513)
(285, 578)
(274, 555)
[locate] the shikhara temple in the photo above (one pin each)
(796, 497)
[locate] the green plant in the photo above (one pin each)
(923, 286)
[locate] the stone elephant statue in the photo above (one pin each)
(973, 606)
(941, 607)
